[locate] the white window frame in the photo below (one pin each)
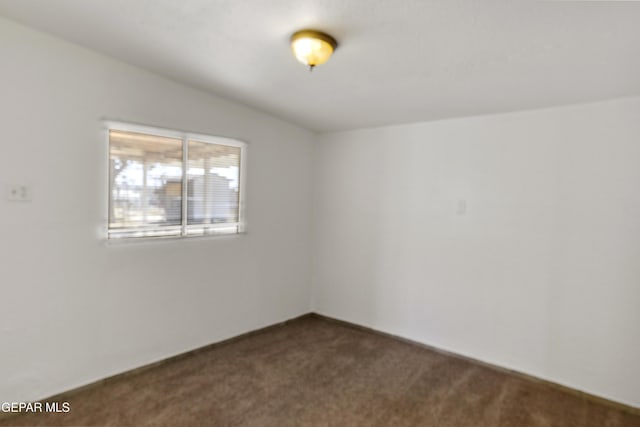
(211, 229)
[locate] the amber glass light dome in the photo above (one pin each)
(312, 47)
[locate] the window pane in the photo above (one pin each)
(146, 183)
(213, 186)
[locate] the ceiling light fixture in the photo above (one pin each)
(312, 47)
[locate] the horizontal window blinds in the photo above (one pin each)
(213, 186)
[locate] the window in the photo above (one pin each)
(165, 183)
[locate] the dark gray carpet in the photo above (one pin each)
(316, 372)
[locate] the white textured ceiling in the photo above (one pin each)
(398, 61)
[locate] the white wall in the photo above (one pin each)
(541, 275)
(72, 309)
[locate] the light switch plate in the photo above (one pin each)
(18, 193)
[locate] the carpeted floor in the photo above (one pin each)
(316, 372)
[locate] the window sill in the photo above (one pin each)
(125, 241)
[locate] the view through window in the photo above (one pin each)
(151, 174)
